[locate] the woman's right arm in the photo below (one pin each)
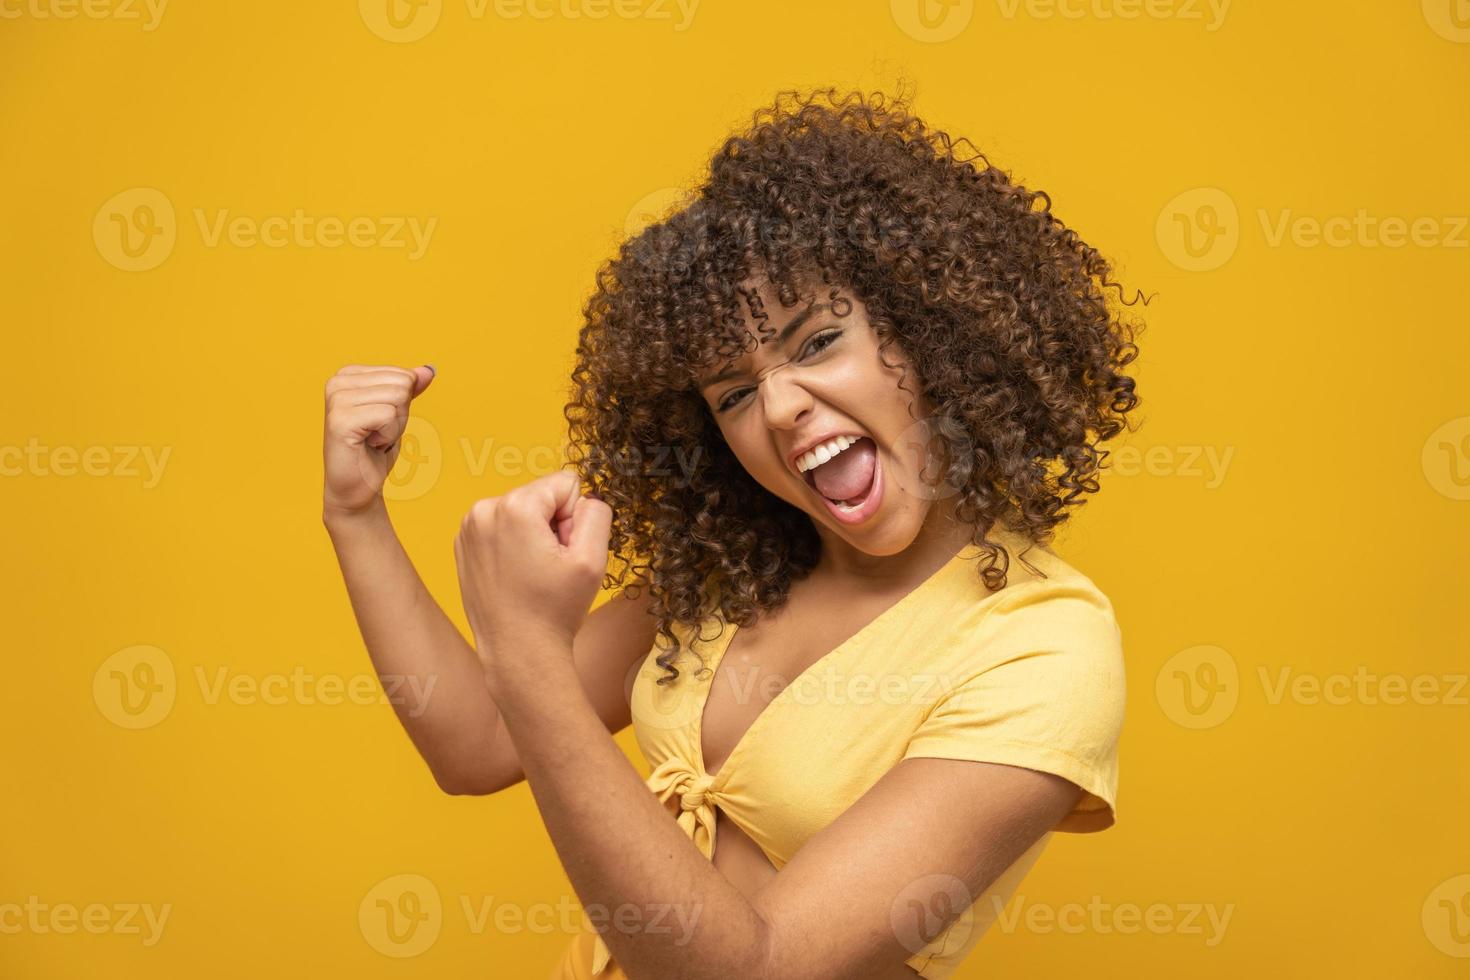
(416, 650)
(413, 645)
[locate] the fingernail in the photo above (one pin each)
(431, 369)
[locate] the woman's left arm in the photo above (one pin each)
(931, 835)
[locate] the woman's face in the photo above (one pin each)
(824, 378)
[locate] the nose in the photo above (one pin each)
(784, 398)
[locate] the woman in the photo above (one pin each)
(823, 405)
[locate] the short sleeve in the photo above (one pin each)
(1046, 692)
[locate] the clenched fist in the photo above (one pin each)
(530, 565)
(367, 411)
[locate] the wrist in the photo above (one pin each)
(518, 653)
(342, 519)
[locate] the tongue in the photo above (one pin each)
(849, 474)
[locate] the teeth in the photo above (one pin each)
(824, 452)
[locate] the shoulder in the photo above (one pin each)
(1044, 595)
(1049, 647)
(1037, 680)
(1060, 624)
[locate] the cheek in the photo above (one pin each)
(881, 406)
(753, 451)
(866, 372)
(764, 466)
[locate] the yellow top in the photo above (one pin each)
(1030, 676)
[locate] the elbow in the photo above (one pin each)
(456, 783)
(762, 960)
(467, 789)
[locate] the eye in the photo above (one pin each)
(730, 400)
(816, 345)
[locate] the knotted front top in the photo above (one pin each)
(1030, 676)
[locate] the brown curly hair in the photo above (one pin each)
(998, 306)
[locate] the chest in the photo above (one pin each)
(763, 659)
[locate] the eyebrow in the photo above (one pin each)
(796, 322)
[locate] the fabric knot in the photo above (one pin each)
(693, 797)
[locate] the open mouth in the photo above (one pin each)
(853, 501)
(852, 488)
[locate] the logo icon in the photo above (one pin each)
(1446, 916)
(1198, 687)
(135, 230)
(400, 21)
(649, 208)
(135, 687)
(934, 445)
(419, 463)
(1450, 19)
(1446, 458)
(672, 706)
(1199, 229)
(401, 916)
(926, 907)
(932, 21)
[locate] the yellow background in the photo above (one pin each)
(1327, 538)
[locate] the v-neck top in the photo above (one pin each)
(1029, 676)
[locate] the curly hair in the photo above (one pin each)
(999, 307)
